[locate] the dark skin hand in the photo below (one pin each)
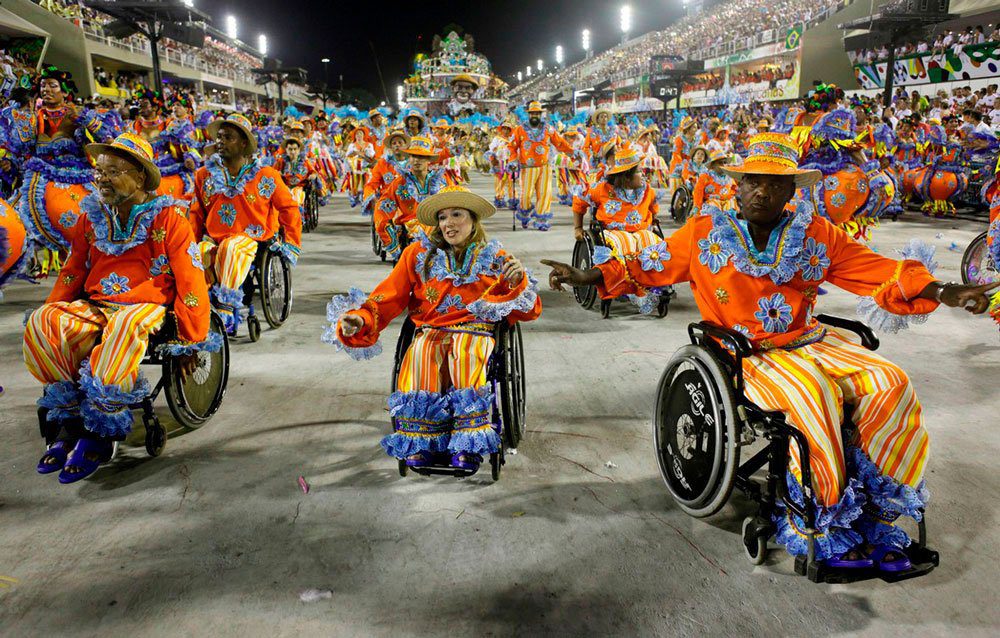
(763, 199)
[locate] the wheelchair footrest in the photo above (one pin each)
(924, 561)
(442, 470)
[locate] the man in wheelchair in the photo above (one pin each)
(756, 271)
(238, 203)
(455, 284)
(133, 258)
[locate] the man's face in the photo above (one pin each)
(292, 150)
(397, 144)
(419, 164)
(763, 197)
(602, 119)
(535, 118)
(51, 92)
(117, 178)
(463, 91)
(230, 142)
(145, 108)
(413, 123)
(309, 127)
(377, 119)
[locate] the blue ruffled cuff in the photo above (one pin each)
(212, 343)
(646, 303)
(881, 320)
(473, 430)
(286, 250)
(422, 423)
(494, 312)
(337, 308)
(834, 534)
(602, 255)
(62, 399)
(228, 303)
(106, 407)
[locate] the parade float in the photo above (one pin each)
(455, 81)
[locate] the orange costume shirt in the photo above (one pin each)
(531, 145)
(257, 203)
(153, 259)
(770, 296)
(386, 169)
(715, 187)
(630, 211)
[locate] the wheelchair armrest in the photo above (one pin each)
(657, 229)
(868, 338)
(738, 342)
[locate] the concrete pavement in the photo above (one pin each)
(579, 536)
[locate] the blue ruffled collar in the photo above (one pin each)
(631, 195)
(109, 235)
(219, 176)
(479, 259)
(536, 134)
(780, 260)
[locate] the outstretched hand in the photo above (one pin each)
(351, 324)
(974, 298)
(513, 271)
(566, 274)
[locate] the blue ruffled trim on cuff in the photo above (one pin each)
(921, 251)
(834, 534)
(106, 407)
(884, 492)
(602, 255)
(212, 343)
(286, 250)
(498, 311)
(423, 422)
(880, 319)
(62, 399)
(473, 426)
(524, 214)
(337, 308)
(228, 303)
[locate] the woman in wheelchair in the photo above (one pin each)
(756, 271)
(454, 284)
(712, 185)
(625, 206)
(134, 257)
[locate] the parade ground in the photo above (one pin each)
(219, 537)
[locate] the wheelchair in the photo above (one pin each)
(377, 246)
(310, 208)
(270, 278)
(192, 401)
(978, 266)
(505, 374)
(583, 258)
(702, 419)
(681, 204)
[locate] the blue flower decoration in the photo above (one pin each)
(602, 255)
(254, 231)
(862, 187)
(743, 330)
(450, 301)
(540, 149)
(388, 177)
(831, 183)
(653, 257)
(615, 226)
(612, 206)
(838, 199)
(266, 187)
(388, 206)
(114, 284)
(195, 254)
(159, 266)
(814, 260)
(227, 212)
(713, 254)
(68, 219)
(403, 192)
(633, 218)
(774, 313)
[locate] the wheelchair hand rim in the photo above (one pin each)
(977, 262)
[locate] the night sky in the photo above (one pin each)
(512, 34)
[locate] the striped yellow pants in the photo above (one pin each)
(810, 385)
(60, 335)
(228, 264)
(622, 242)
(503, 187)
(536, 189)
(438, 361)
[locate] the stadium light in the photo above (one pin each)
(519, 77)
(529, 70)
(540, 65)
(189, 3)
(262, 44)
(325, 60)
(586, 39)
(626, 21)
(559, 54)
(231, 26)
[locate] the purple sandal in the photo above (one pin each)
(103, 448)
(466, 461)
(420, 459)
(846, 563)
(897, 565)
(58, 451)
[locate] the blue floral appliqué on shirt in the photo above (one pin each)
(227, 213)
(114, 284)
(266, 187)
(159, 266)
(195, 254)
(449, 302)
(713, 254)
(653, 257)
(774, 313)
(814, 260)
(68, 219)
(254, 231)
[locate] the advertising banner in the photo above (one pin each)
(972, 62)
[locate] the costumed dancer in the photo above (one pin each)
(529, 147)
(601, 132)
(683, 145)
(654, 167)
(237, 204)
(503, 170)
(386, 169)
(755, 270)
(134, 258)
(626, 206)
(56, 170)
(908, 154)
(396, 211)
(943, 176)
(713, 185)
(455, 284)
(175, 148)
(360, 155)
(297, 171)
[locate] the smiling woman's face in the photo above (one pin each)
(455, 224)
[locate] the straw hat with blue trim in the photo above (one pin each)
(133, 147)
(626, 158)
(774, 154)
(453, 197)
(240, 123)
(421, 146)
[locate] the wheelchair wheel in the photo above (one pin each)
(194, 400)
(275, 289)
(495, 463)
(513, 386)
(977, 263)
(313, 209)
(253, 328)
(680, 205)
(754, 541)
(694, 430)
(377, 247)
(402, 467)
(156, 436)
(583, 258)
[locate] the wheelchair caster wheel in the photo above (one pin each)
(663, 309)
(754, 541)
(495, 464)
(382, 255)
(156, 437)
(605, 308)
(402, 467)
(253, 327)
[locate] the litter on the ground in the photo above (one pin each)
(611, 465)
(313, 595)
(303, 485)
